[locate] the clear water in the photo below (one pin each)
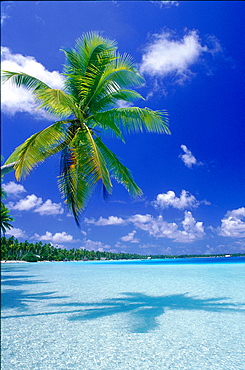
(124, 315)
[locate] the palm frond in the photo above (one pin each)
(74, 187)
(114, 75)
(123, 71)
(83, 64)
(134, 119)
(109, 98)
(56, 102)
(91, 45)
(120, 173)
(95, 163)
(110, 128)
(38, 147)
(25, 80)
(82, 166)
(6, 218)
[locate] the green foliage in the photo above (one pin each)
(30, 257)
(6, 218)
(12, 249)
(96, 78)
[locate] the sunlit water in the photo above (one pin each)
(124, 315)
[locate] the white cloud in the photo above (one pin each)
(123, 104)
(3, 17)
(50, 208)
(16, 232)
(167, 55)
(62, 237)
(130, 237)
(166, 4)
(31, 201)
(158, 228)
(192, 230)
(95, 246)
(111, 220)
(6, 7)
(15, 99)
(188, 158)
(232, 225)
(165, 200)
(13, 188)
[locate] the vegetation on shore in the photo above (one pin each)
(13, 250)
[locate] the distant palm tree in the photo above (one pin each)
(5, 219)
(96, 79)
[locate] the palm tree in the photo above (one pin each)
(96, 78)
(5, 215)
(5, 219)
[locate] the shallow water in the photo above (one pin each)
(176, 314)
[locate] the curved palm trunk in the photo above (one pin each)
(7, 168)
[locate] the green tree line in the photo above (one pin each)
(13, 250)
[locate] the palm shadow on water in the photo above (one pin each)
(143, 310)
(20, 299)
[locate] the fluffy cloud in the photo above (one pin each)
(232, 225)
(111, 220)
(168, 55)
(188, 158)
(32, 202)
(62, 237)
(13, 188)
(159, 228)
(95, 246)
(15, 99)
(130, 237)
(166, 4)
(50, 208)
(165, 200)
(16, 232)
(3, 17)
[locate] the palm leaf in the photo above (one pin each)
(25, 80)
(96, 163)
(5, 218)
(110, 127)
(117, 72)
(121, 173)
(82, 166)
(110, 98)
(56, 102)
(135, 119)
(73, 186)
(123, 71)
(91, 55)
(38, 147)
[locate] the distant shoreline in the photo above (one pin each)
(134, 259)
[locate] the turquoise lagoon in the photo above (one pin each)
(124, 315)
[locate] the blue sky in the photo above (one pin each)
(191, 55)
